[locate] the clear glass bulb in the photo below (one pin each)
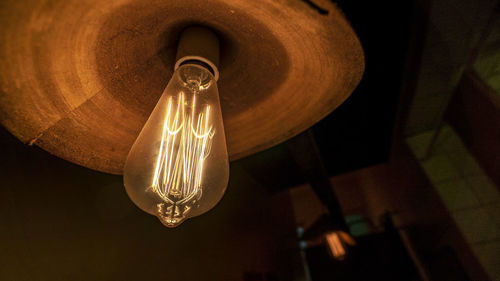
(178, 166)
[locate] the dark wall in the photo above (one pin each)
(474, 112)
(59, 221)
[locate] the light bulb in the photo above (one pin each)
(337, 243)
(178, 166)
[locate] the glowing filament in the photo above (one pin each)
(185, 144)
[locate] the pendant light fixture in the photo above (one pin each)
(84, 92)
(178, 166)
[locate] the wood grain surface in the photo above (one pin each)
(79, 78)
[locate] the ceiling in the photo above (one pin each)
(359, 133)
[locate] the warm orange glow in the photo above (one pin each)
(337, 242)
(178, 166)
(187, 158)
(185, 144)
(335, 245)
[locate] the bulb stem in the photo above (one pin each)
(199, 45)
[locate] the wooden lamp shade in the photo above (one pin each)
(79, 78)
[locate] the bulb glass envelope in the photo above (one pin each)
(178, 166)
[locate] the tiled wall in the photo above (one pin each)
(469, 195)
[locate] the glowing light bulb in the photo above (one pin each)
(337, 242)
(178, 167)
